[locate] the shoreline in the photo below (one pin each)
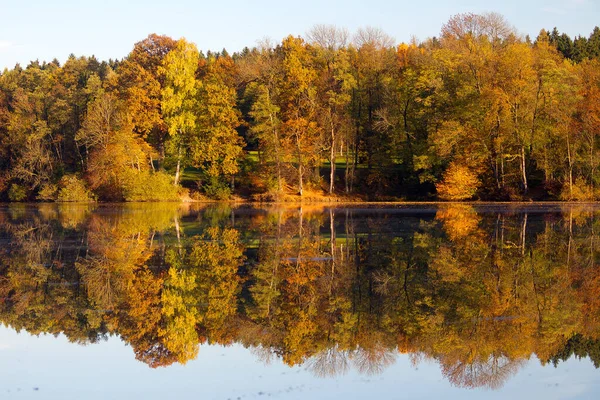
(310, 203)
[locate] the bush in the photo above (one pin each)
(217, 189)
(48, 192)
(581, 191)
(17, 192)
(146, 186)
(73, 189)
(459, 183)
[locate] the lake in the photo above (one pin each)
(218, 301)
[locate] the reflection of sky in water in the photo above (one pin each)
(107, 370)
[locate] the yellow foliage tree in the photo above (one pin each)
(459, 183)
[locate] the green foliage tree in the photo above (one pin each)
(216, 148)
(301, 132)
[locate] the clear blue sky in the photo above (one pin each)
(43, 29)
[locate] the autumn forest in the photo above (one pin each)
(478, 112)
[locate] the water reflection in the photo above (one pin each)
(480, 290)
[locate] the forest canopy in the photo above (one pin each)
(478, 112)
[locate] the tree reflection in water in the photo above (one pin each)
(477, 289)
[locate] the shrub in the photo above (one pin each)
(581, 191)
(17, 192)
(73, 189)
(48, 192)
(459, 183)
(217, 189)
(147, 186)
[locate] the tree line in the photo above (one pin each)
(477, 112)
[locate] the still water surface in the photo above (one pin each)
(171, 301)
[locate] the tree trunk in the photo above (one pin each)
(408, 156)
(276, 140)
(546, 165)
(593, 168)
(332, 162)
(300, 185)
(523, 234)
(178, 169)
(332, 246)
(493, 145)
(347, 171)
(178, 232)
(523, 169)
(570, 239)
(161, 151)
(502, 167)
(152, 163)
(570, 167)
(354, 164)
(300, 169)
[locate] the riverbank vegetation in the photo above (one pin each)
(478, 112)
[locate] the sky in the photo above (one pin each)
(44, 30)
